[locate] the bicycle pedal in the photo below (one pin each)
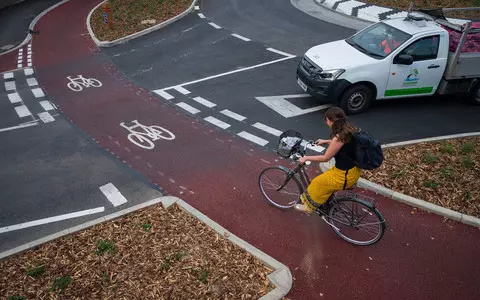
(324, 219)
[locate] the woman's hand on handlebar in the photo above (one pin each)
(322, 142)
(303, 159)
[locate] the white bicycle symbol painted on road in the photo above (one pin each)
(76, 84)
(149, 134)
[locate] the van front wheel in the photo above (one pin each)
(356, 99)
(475, 95)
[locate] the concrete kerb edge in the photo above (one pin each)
(32, 25)
(281, 277)
(136, 34)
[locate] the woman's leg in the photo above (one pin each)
(319, 190)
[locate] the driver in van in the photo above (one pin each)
(390, 44)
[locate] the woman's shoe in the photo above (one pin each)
(302, 208)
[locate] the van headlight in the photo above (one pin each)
(330, 75)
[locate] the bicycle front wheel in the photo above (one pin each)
(279, 188)
(357, 222)
(162, 132)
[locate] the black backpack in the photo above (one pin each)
(368, 151)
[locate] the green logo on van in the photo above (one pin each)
(412, 78)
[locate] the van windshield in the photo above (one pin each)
(379, 40)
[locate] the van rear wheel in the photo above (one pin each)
(475, 95)
(356, 99)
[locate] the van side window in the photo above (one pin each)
(423, 49)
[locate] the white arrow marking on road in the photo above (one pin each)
(287, 109)
(113, 194)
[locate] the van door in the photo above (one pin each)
(423, 75)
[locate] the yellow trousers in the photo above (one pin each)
(325, 184)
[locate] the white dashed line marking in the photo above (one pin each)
(217, 122)
(182, 90)
(28, 71)
(253, 138)
(38, 93)
(52, 219)
(164, 94)
(204, 102)
(19, 66)
(29, 64)
(280, 52)
(201, 15)
(233, 115)
(241, 37)
(46, 117)
(14, 98)
(214, 25)
(22, 111)
(32, 81)
(113, 194)
(267, 129)
(19, 61)
(20, 51)
(188, 108)
(46, 105)
(197, 7)
(8, 75)
(10, 86)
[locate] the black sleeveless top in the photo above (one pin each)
(343, 158)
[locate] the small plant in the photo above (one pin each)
(468, 147)
(146, 227)
(446, 172)
(446, 147)
(105, 247)
(468, 196)
(431, 184)
(36, 271)
(398, 174)
(166, 264)
(204, 275)
(180, 255)
(429, 158)
(467, 162)
(61, 283)
(16, 297)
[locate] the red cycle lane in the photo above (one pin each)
(421, 255)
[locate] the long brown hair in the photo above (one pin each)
(341, 128)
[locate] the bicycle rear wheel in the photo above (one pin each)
(279, 188)
(356, 222)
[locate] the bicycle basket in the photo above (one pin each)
(289, 143)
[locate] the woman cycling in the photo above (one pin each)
(344, 174)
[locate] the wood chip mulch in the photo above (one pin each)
(129, 14)
(445, 173)
(150, 254)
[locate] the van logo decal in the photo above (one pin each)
(412, 78)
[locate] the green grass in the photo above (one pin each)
(468, 147)
(16, 297)
(468, 196)
(60, 283)
(446, 172)
(166, 264)
(431, 184)
(429, 158)
(146, 226)
(105, 247)
(398, 174)
(203, 276)
(36, 271)
(180, 254)
(467, 162)
(446, 147)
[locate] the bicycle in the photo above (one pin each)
(76, 84)
(345, 211)
(151, 133)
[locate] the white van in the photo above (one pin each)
(396, 58)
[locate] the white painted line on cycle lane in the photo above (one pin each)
(217, 122)
(188, 108)
(182, 90)
(215, 25)
(253, 138)
(38, 93)
(113, 194)
(32, 81)
(164, 94)
(267, 129)
(204, 102)
(22, 111)
(14, 98)
(52, 219)
(241, 37)
(233, 115)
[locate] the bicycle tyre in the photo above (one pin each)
(72, 85)
(367, 209)
(280, 171)
(141, 141)
(162, 130)
(94, 82)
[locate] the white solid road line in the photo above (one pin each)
(14, 98)
(229, 73)
(233, 115)
(38, 93)
(46, 117)
(253, 138)
(8, 75)
(46, 105)
(28, 71)
(113, 194)
(10, 86)
(241, 37)
(214, 25)
(18, 127)
(204, 102)
(32, 81)
(280, 52)
(164, 94)
(52, 219)
(182, 90)
(267, 129)
(22, 111)
(188, 108)
(217, 122)
(201, 15)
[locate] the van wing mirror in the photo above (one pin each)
(403, 59)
